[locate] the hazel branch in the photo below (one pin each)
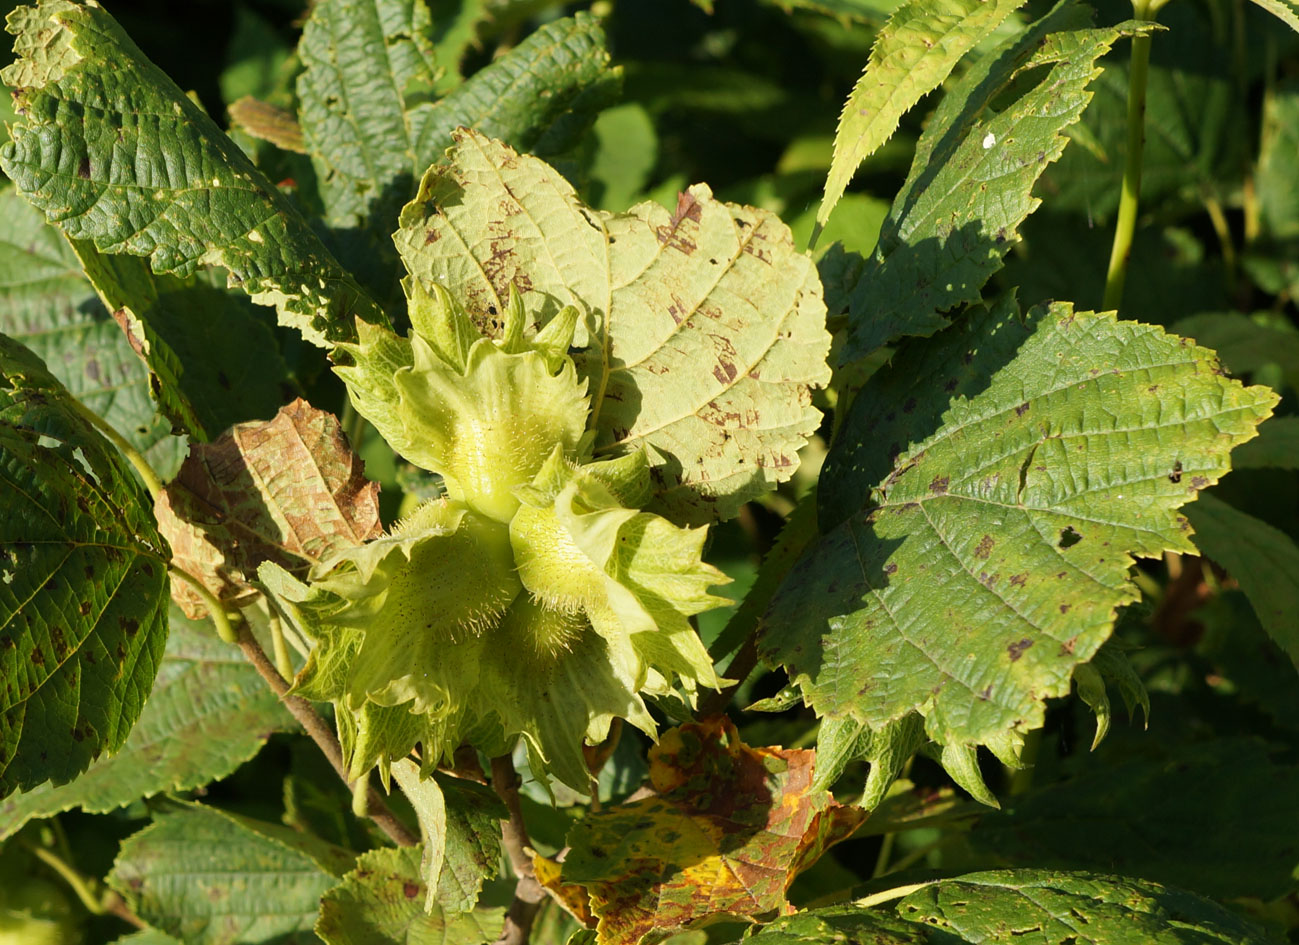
(528, 893)
(323, 735)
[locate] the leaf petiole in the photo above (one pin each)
(1130, 196)
(148, 476)
(219, 616)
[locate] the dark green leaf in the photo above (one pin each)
(971, 183)
(373, 124)
(1039, 907)
(83, 583)
(1262, 558)
(212, 361)
(1221, 817)
(1276, 446)
(50, 307)
(1006, 472)
(208, 713)
(142, 170)
(840, 925)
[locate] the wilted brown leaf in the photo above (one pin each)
(287, 490)
(726, 832)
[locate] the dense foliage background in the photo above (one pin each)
(1198, 789)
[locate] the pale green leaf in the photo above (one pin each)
(373, 121)
(1286, 10)
(626, 151)
(971, 182)
(1042, 907)
(83, 583)
(982, 505)
(147, 937)
(212, 362)
(843, 740)
(208, 877)
(704, 328)
(1263, 559)
(50, 307)
(913, 52)
(142, 169)
(382, 902)
(209, 712)
(459, 825)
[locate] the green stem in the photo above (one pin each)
(1130, 197)
(888, 895)
(146, 472)
(886, 843)
(282, 661)
(219, 616)
(84, 888)
(353, 425)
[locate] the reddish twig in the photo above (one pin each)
(323, 735)
(528, 893)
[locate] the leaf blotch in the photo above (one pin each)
(1016, 650)
(1068, 537)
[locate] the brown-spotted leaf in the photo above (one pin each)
(702, 331)
(288, 490)
(725, 832)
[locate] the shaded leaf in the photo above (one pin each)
(1243, 343)
(212, 361)
(840, 925)
(143, 170)
(971, 182)
(1235, 834)
(208, 877)
(382, 901)
(288, 490)
(1278, 193)
(913, 53)
(1263, 559)
(373, 122)
(1010, 470)
(50, 307)
(1286, 10)
(1276, 446)
(83, 583)
(704, 328)
(725, 833)
(1040, 907)
(209, 711)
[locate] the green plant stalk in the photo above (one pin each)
(220, 618)
(1130, 196)
(888, 895)
(147, 475)
(85, 889)
(283, 663)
